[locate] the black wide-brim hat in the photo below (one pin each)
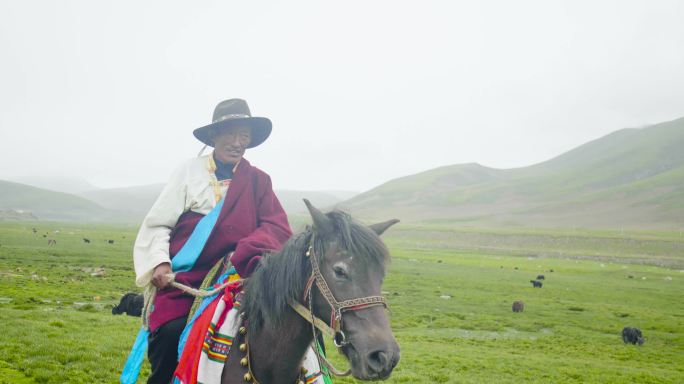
(235, 112)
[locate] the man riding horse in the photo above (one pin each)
(248, 221)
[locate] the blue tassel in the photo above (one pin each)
(183, 261)
(135, 358)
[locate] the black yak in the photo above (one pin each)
(131, 304)
(632, 336)
(536, 284)
(518, 306)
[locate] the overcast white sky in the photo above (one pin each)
(359, 92)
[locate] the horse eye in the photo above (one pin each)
(340, 273)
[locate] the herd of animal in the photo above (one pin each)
(87, 241)
(132, 303)
(630, 335)
(519, 305)
(51, 241)
(537, 283)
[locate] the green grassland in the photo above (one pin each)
(450, 291)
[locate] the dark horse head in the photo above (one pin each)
(351, 259)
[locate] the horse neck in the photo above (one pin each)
(276, 354)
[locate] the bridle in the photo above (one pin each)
(334, 329)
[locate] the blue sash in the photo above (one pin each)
(185, 258)
(183, 261)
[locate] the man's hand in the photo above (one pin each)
(159, 278)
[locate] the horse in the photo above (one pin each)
(332, 270)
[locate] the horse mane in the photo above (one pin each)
(280, 277)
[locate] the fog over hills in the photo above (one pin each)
(630, 178)
(134, 201)
(47, 205)
(53, 183)
(119, 204)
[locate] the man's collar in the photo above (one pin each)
(213, 164)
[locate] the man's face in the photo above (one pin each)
(230, 143)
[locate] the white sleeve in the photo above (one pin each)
(152, 243)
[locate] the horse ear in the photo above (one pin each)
(321, 222)
(380, 228)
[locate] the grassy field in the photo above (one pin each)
(450, 292)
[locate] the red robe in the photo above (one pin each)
(252, 222)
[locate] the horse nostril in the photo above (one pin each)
(377, 361)
(395, 360)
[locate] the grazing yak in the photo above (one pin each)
(131, 304)
(632, 336)
(540, 277)
(536, 284)
(87, 241)
(518, 306)
(110, 241)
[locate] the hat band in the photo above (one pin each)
(232, 116)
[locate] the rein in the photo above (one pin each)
(334, 329)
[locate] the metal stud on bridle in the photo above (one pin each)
(340, 340)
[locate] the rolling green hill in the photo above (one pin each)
(630, 178)
(48, 205)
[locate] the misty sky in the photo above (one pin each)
(359, 92)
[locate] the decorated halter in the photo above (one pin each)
(334, 328)
(337, 307)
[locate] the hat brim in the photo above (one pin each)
(261, 129)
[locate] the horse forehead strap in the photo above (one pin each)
(337, 306)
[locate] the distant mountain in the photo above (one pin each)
(72, 185)
(293, 202)
(133, 201)
(131, 204)
(139, 199)
(118, 204)
(342, 195)
(630, 178)
(48, 205)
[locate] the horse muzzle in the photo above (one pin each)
(372, 363)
